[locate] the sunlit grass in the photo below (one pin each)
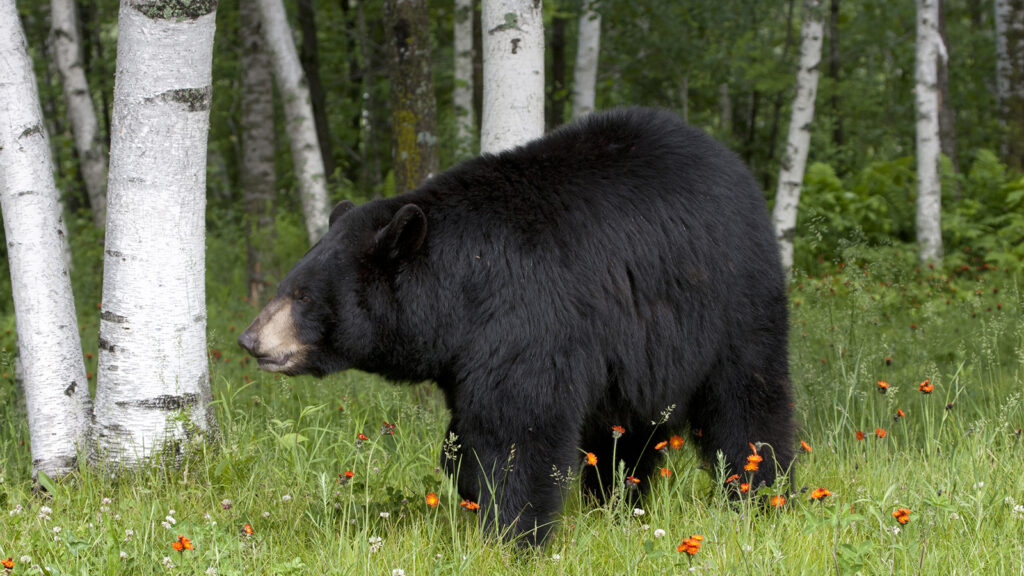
(954, 459)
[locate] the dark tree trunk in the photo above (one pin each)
(370, 127)
(748, 144)
(258, 147)
(556, 89)
(833, 70)
(478, 67)
(947, 114)
(309, 55)
(773, 135)
(413, 109)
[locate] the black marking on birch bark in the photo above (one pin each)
(511, 23)
(106, 345)
(789, 234)
(26, 193)
(175, 9)
(34, 129)
(515, 44)
(70, 390)
(198, 318)
(193, 99)
(111, 317)
(165, 402)
(116, 254)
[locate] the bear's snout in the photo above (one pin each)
(272, 339)
(248, 341)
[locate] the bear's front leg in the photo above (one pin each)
(506, 459)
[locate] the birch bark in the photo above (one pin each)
(513, 54)
(926, 98)
(463, 94)
(153, 389)
(584, 83)
(50, 351)
(258, 140)
(1009, 22)
(92, 155)
(298, 110)
(791, 174)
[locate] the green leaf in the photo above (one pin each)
(47, 484)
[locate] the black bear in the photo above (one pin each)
(619, 269)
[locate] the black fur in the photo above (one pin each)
(594, 277)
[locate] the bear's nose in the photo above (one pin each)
(248, 341)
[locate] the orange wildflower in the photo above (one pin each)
(805, 446)
(247, 529)
(820, 493)
(676, 442)
(632, 480)
(362, 436)
(470, 505)
(883, 386)
(860, 434)
(899, 414)
(752, 461)
(744, 487)
(182, 544)
(618, 431)
(591, 459)
(8, 564)
(732, 478)
(661, 445)
(690, 545)
(926, 387)
(432, 500)
(665, 472)
(778, 501)
(880, 432)
(902, 515)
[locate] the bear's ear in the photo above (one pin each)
(404, 234)
(339, 210)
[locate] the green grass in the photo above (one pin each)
(285, 442)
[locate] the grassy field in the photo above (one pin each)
(954, 459)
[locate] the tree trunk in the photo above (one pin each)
(1009, 17)
(92, 155)
(310, 58)
(556, 88)
(929, 185)
(724, 109)
(773, 134)
(833, 70)
(298, 111)
(371, 157)
(684, 97)
(584, 82)
(258, 139)
(791, 175)
(413, 110)
(513, 39)
(478, 66)
(462, 96)
(947, 114)
(50, 351)
(153, 388)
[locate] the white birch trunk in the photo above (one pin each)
(791, 174)
(463, 94)
(298, 110)
(584, 80)
(1009, 24)
(92, 157)
(513, 54)
(50, 351)
(153, 389)
(926, 97)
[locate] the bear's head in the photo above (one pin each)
(335, 309)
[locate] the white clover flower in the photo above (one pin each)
(1009, 501)
(16, 510)
(56, 529)
(211, 571)
(266, 514)
(954, 516)
(44, 512)
(225, 504)
(171, 512)
(747, 548)
(123, 555)
(556, 557)
(166, 525)
(385, 514)
(26, 559)
(376, 542)
(659, 533)
(128, 534)
(895, 530)
(1018, 511)
(167, 562)
(398, 572)
(978, 485)
(286, 498)
(637, 512)
(106, 501)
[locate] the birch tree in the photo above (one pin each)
(584, 80)
(153, 389)
(257, 146)
(926, 99)
(513, 59)
(92, 154)
(413, 111)
(463, 94)
(791, 174)
(1009, 22)
(50, 351)
(298, 111)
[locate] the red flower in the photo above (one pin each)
(902, 515)
(470, 505)
(630, 480)
(618, 431)
(8, 564)
(690, 545)
(732, 478)
(883, 386)
(860, 434)
(665, 472)
(676, 442)
(778, 501)
(744, 487)
(362, 436)
(880, 432)
(805, 446)
(182, 544)
(661, 445)
(247, 529)
(432, 500)
(899, 414)
(926, 387)
(591, 459)
(820, 494)
(387, 429)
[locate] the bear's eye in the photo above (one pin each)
(301, 297)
